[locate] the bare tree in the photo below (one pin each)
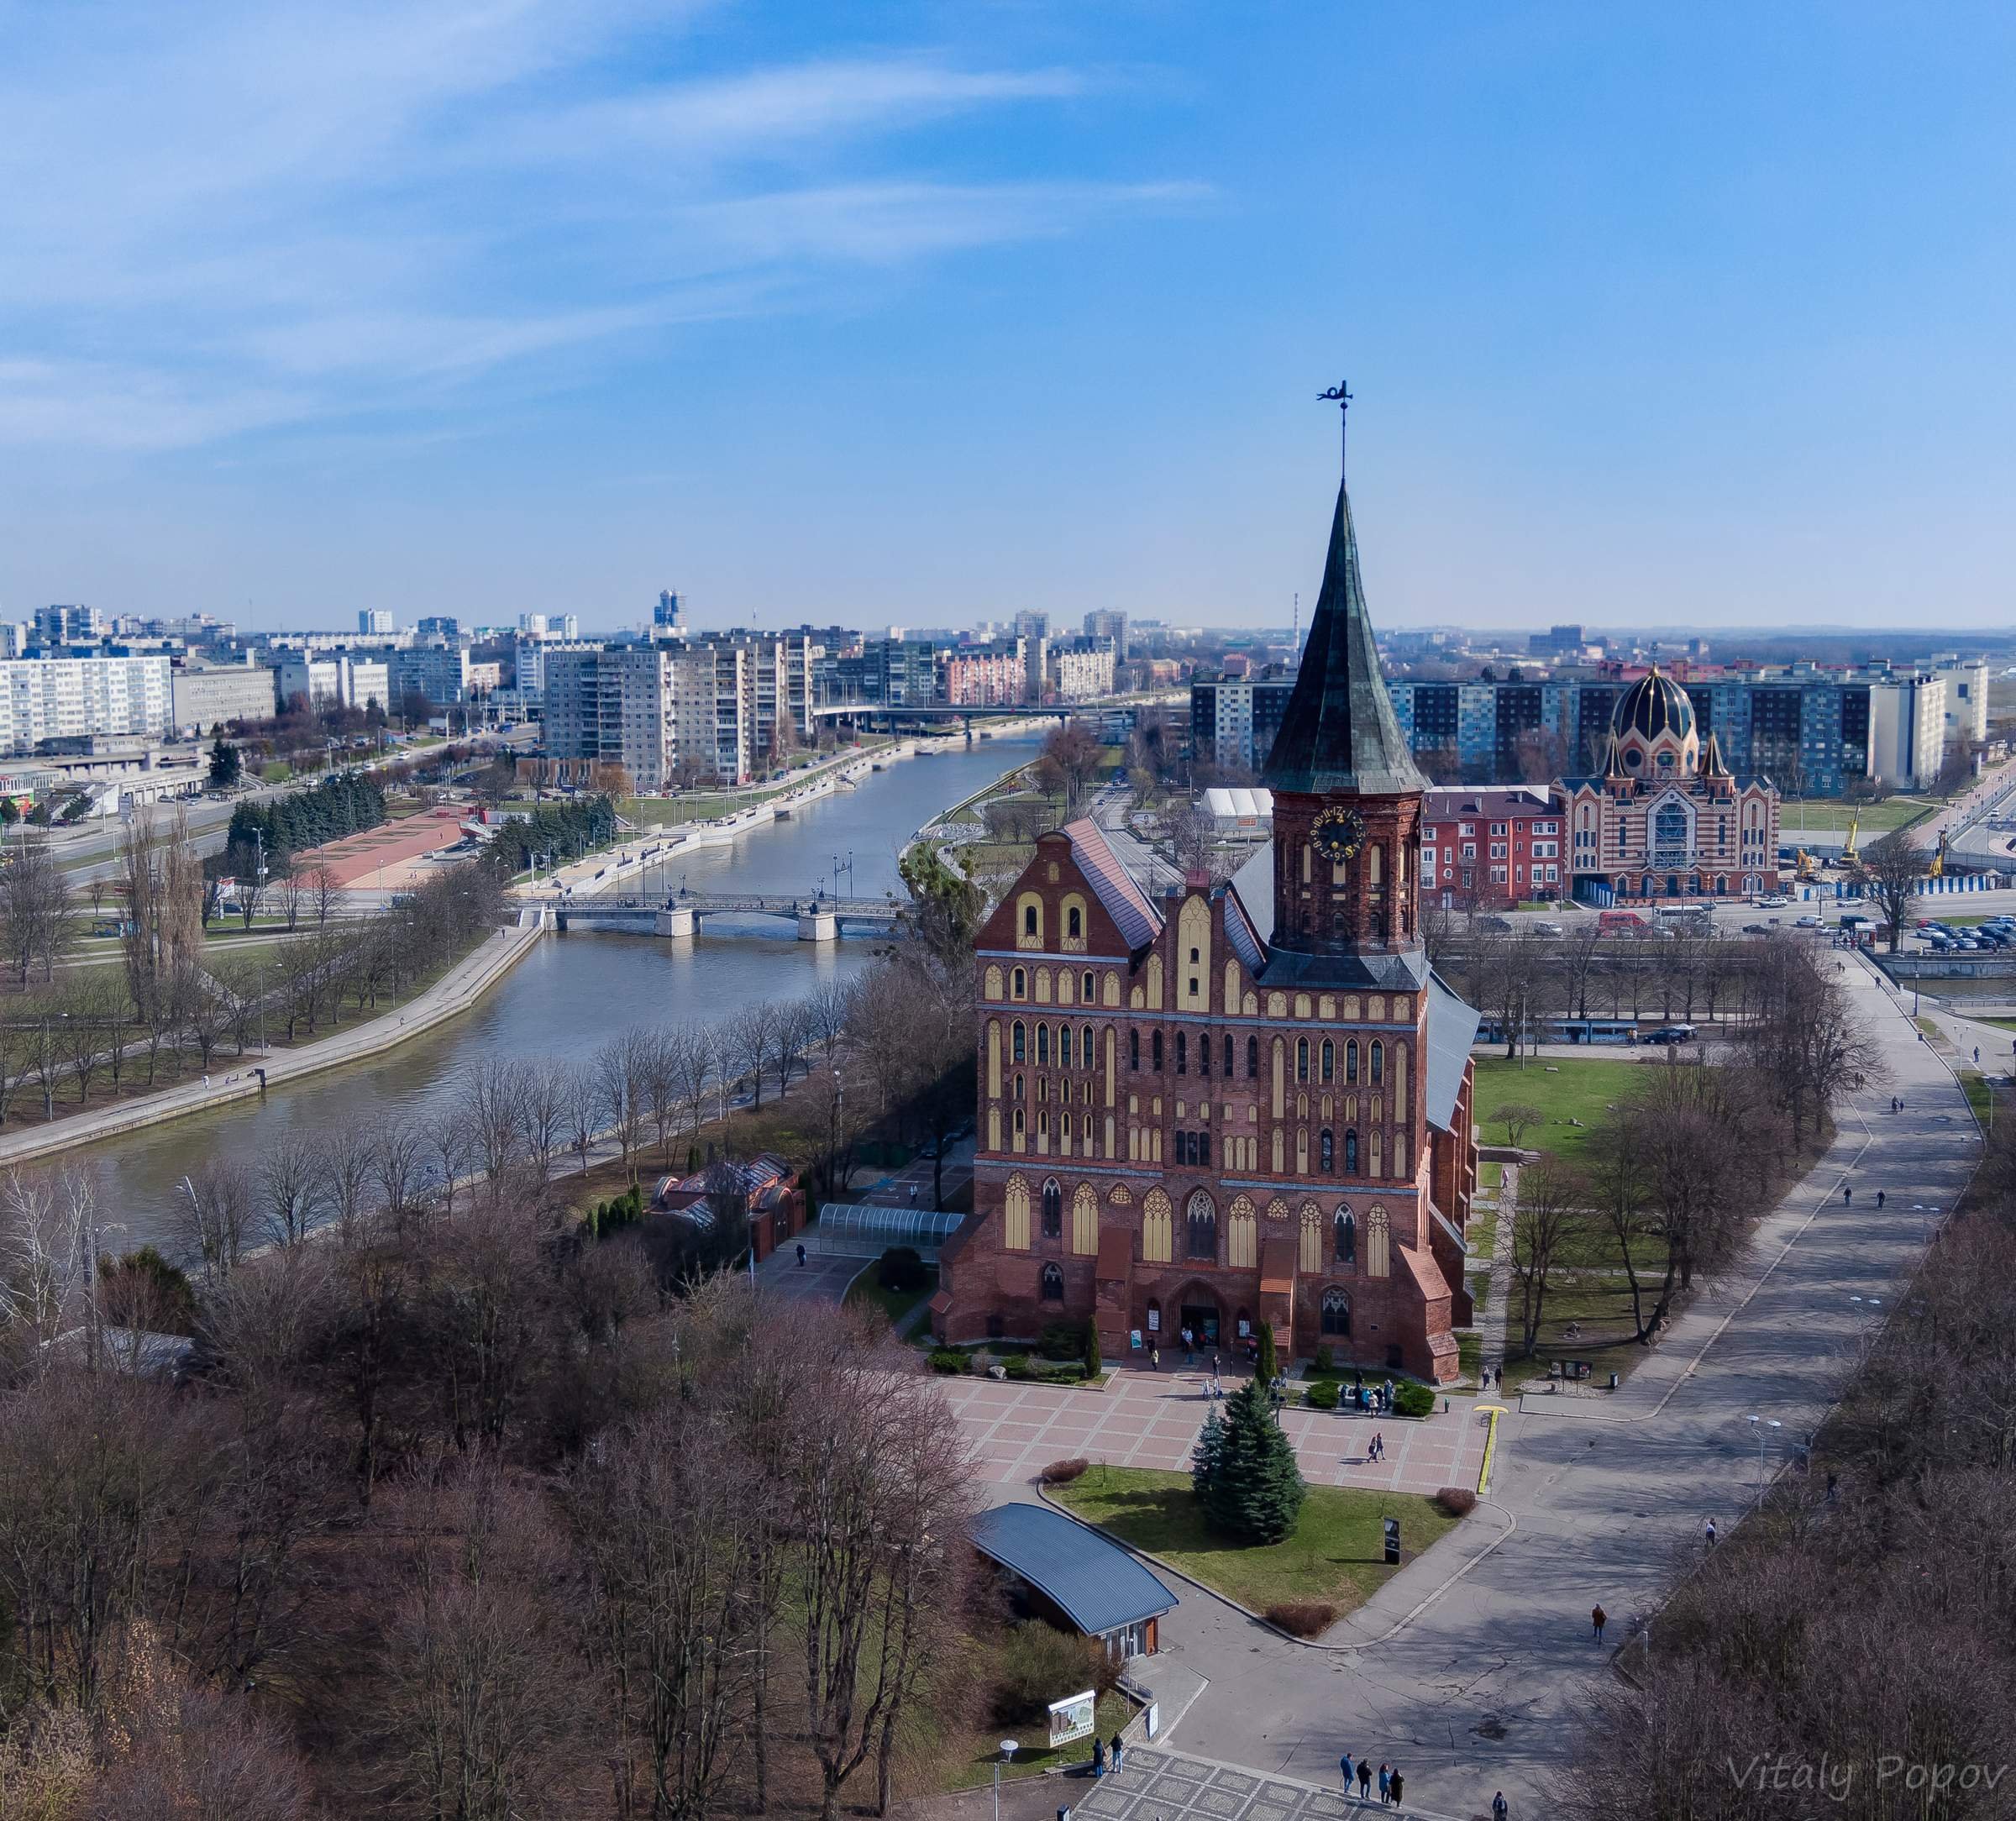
(213, 1214)
(403, 1174)
(1544, 1220)
(36, 921)
(1891, 871)
(584, 1109)
(491, 1106)
(1516, 1116)
(323, 893)
(620, 1072)
(748, 1033)
(347, 1171)
(287, 1181)
(542, 1114)
(789, 1033)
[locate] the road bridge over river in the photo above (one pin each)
(818, 916)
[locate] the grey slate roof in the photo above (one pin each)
(1098, 1584)
(1339, 732)
(1451, 1030)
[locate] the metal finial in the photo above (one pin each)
(1340, 396)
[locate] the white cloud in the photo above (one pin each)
(225, 219)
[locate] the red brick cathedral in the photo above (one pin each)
(1232, 1104)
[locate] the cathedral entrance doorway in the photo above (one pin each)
(1204, 1319)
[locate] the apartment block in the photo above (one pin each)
(76, 698)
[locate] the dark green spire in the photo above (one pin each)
(1339, 732)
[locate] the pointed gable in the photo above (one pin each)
(1339, 732)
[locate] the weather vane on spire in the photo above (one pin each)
(1340, 396)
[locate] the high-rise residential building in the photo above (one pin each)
(1109, 623)
(76, 698)
(1234, 720)
(376, 622)
(1030, 624)
(669, 616)
(1967, 706)
(1080, 669)
(440, 673)
(438, 625)
(70, 625)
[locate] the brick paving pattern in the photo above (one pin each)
(1165, 1786)
(1150, 1419)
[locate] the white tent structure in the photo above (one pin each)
(1234, 807)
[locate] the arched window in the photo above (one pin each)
(1252, 1058)
(1018, 1040)
(1028, 919)
(1301, 1058)
(1351, 1153)
(1053, 1210)
(1134, 1049)
(1019, 1079)
(1228, 1056)
(1183, 1053)
(1200, 1222)
(1204, 1053)
(1063, 1046)
(1346, 1237)
(1350, 1060)
(1378, 1061)
(1091, 994)
(1155, 1042)
(1042, 1046)
(1336, 1311)
(1327, 1150)
(1075, 922)
(1203, 1149)
(1053, 1284)
(1329, 1060)
(1021, 984)
(1087, 1056)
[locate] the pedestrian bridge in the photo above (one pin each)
(818, 916)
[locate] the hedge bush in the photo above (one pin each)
(902, 1268)
(1062, 1472)
(1322, 1395)
(1303, 1619)
(1456, 1501)
(1413, 1400)
(948, 1360)
(1324, 1362)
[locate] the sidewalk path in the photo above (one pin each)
(1476, 1691)
(454, 992)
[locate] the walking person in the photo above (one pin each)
(1396, 1786)
(1099, 1756)
(1599, 1618)
(1154, 1359)
(1847, 1194)
(1344, 1772)
(1364, 1779)
(1385, 1785)
(1116, 1747)
(1711, 1533)
(801, 1255)
(1879, 1201)
(1499, 1810)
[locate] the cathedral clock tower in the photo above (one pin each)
(1347, 798)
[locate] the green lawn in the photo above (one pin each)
(977, 1753)
(1832, 813)
(1337, 1554)
(1489, 1175)
(1600, 1309)
(899, 1305)
(1576, 1088)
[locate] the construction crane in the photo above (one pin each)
(1804, 869)
(1849, 856)
(1938, 867)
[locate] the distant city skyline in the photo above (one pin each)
(1695, 318)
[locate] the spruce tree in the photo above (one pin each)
(1205, 1456)
(1270, 1363)
(1255, 1491)
(1092, 1359)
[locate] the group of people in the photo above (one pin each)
(1100, 1754)
(1389, 1779)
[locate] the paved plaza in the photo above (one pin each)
(1168, 1786)
(1151, 1420)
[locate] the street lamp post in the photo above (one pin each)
(1760, 1426)
(1009, 1748)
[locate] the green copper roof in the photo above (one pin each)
(1340, 733)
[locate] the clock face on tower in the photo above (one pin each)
(1338, 833)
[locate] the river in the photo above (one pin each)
(573, 992)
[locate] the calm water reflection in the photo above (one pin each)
(573, 991)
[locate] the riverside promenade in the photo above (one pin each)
(453, 993)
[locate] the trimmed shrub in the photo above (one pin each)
(902, 1268)
(1017, 1366)
(1303, 1619)
(1061, 1340)
(1323, 1362)
(1062, 1472)
(1269, 1364)
(1413, 1400)
(1322, 1395)
(1456, 1501)
(1091, 1355)
(947, 1360)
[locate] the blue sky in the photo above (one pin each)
(927, 313)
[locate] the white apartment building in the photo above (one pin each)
(203, 695)
(337, 679)
(1081, 668)
(440, 673)
(71, 698)
(1908, 729)
(1966, 680)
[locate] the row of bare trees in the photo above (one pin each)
(1670, 1180)
(1855, 1629)
(466, 1517)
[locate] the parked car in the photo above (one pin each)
(1549, 929)
(1810, 923)
(1674, 1033)
(1620, 922)
(1756, 929)
(1494, 923)
(1772, 903)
